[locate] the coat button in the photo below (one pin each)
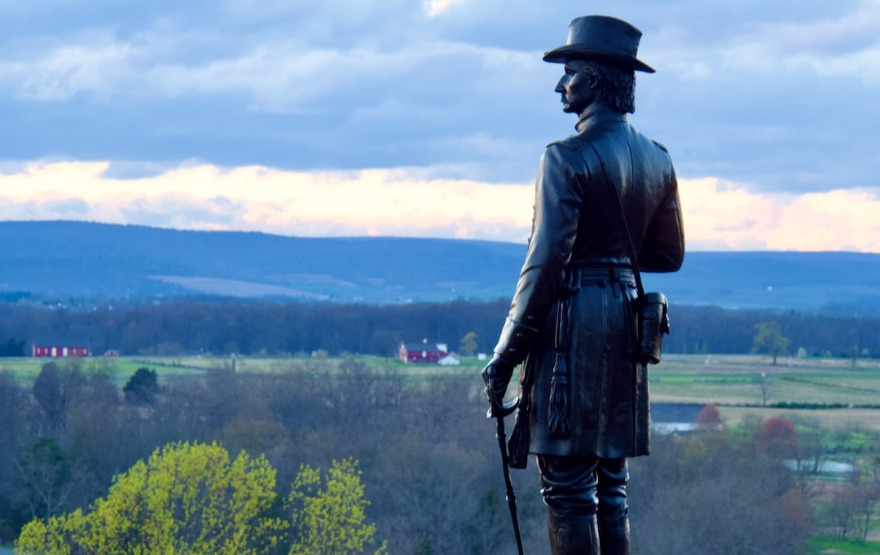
(607, 348)
(602, 283)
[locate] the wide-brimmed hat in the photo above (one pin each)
(601, 37)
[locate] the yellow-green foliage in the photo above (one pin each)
(330, 517)
(187, 498)
(191, 499)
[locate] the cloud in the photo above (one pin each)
(435, 7)
(847, 46)
(719, 215)
(274, 75)
(772, 94)
(61, 73)
(726, 216)
(368, 202)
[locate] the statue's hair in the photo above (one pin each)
(615, 84)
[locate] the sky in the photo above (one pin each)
(427, 118)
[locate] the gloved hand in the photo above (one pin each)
(496, 376)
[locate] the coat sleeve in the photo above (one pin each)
(663, 247)
(558, 197)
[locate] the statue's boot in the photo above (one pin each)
(572, 534)
(614, 535)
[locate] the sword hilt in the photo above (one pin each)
(504, 408)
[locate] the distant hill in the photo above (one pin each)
(69, 260)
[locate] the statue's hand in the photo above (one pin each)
(496, 376)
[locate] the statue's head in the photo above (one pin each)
(600, 61)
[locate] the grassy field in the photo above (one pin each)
(26, 370)
(737, 380)
(826, 545)
(734, 382)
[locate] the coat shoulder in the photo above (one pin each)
(573, 142)
(661, 145)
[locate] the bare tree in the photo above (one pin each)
(45, 473)
(711, 493)
(764, 382)
(55, 390)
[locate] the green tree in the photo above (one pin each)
(12, 348)
(142, 387)
(329, 514)
(187, 498)
(195, 499)
(769, 339)
(469, 344)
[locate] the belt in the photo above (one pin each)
(578, 277)
(602, 276)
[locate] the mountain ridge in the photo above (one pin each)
(66, 259)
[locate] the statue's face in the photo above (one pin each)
(574, 86)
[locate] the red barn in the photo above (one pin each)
(60, 347)
(423, 352)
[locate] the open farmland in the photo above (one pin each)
(737, 380)
(26, 370)
(837, 394)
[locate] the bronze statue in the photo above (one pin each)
(583, 408)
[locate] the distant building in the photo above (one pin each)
(423, 352)
(449, 360)
(675, 418)
(59, 347)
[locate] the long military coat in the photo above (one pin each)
(574, 227)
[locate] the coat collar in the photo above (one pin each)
(595, 115)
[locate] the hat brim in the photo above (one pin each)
(574, 52)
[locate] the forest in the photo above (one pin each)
(431, 470)
(428, 457)
(225, 327)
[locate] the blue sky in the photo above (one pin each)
(427, 118)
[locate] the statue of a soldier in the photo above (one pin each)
(583, 408)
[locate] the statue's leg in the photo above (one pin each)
(613, 513)
(568, 485)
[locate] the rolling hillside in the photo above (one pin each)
(69, 260)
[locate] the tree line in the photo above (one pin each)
(425, 452)
(252, 328)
